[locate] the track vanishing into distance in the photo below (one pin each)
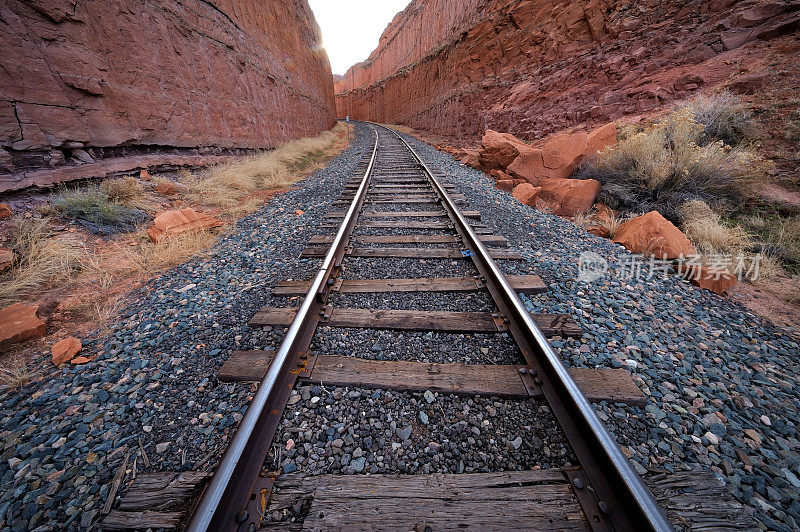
(398, 192)
(396, 209)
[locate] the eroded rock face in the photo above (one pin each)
(80, 80)
(535, 67)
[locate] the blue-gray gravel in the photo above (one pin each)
(721, 383)
(65, 434)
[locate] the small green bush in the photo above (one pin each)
(92, 208)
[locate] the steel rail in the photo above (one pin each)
(622, 497)
(223, 503)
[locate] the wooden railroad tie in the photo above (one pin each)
(397, 184)
(403, 214)
(414, 190)
(607, 384)
(541, 499)
(411, 253)
(405, 199)
(409, 224)
(495, 240)
(420, 320)
(524, 284)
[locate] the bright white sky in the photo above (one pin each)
(351, 28)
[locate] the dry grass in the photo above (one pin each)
(770, 268)
(43, 259)
(126, 191)
(778, 236)
(612, 223)
(709, 235)
(670, 163)
(15, 373)
(147, 257)
(593, 218)
(92, 208)
(224, 185)
(584, 220)
(723, 117)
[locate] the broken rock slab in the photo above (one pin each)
(20, 322)
(170, 223)
(526, 194)
(569, 197)
(713, 279)
(66, 350)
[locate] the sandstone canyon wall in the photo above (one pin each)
(81, 81)
(533, 67)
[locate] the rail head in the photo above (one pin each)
(609, 472)
(223, 501)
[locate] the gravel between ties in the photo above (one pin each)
(721, 383)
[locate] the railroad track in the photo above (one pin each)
(397, 208)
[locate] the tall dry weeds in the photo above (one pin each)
(723, 117)
(15, 373)
(668, 164)
(709, 235)
(43, 258)
(148, 257)
(225, 184)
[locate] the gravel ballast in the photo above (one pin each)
(65, 434)
(721, 383)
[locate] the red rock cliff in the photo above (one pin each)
(174, 74)
(532, 67)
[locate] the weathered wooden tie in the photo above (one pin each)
(605, 384)
(515, 500)
(419, 320)
(403, 214)
(411, 253)
(495, 240)
(693, 500)
(409, 224)
(524, 284)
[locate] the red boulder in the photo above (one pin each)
(568, 197)
(653, 235)
(65, 350)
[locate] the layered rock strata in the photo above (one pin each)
(86, 81)
(534, 67)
